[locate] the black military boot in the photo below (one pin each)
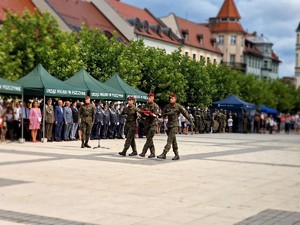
(152, 155)
(123, 153)
(142, 154)
(133, 153)
(82, 143)
(162, 155)
(176, 157)
(86, 144)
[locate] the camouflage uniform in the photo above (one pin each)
(208, 122)
(197, 120)
(130, 129)
(150, 122)
(87, 115)
(172, 111)
(202, 122)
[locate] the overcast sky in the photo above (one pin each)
(276, 19)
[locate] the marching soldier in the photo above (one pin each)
(130, 112)
(86, 114)
(149, 112)
(197, 120)
(208, 121)
(172, 111)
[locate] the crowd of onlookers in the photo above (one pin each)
(62, 121)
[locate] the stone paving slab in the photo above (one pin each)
(220, 179)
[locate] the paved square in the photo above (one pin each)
(221, 179)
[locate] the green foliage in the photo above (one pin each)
(36, 38)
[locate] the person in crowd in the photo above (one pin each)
(278, 123)
(87, 116)
(297, 124)
(35, 119)
(25, 116)
(106, 122)
(99, 114)
(235, 127)
(10, 123)
(188, 124)
(113, 121)
(49, 120)
(59, 119)
(263, 122)
(3, 127)
(75, 120)
(17, 120)
(256, 120)
(230, 124)
(122, 121)
(271, 124)
(288, 121)
(130, 112)
(68, 120)
(172, 111)
(150, 113)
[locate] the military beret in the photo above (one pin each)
(151, 94)
(173, 96)
(131, 98)
(87, 97)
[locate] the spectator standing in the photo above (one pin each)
(256, 128)
(106, 122)
(68, 119)
(122, 121)
(59, 119)
(10, 123)
(230, 124)
(3, 128)
(278, 122)
(25, 115)
(271, 123)
(113, 121)
(49, 120)
(35, 119)
(17, 120)
(75, 120)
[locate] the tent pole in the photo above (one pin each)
(44, 115)
(22, 121)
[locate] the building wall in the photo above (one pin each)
(201, 54)
(231, 49)
(150, 42)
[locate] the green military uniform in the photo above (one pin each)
(202, 122)
(86, 115)
(130, 129)
(172, 111)
(197, 120)
(149, 112)
(208, 122)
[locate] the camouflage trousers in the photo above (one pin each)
(171, 141)
(86, 128)
(130, 141)
(150, 132)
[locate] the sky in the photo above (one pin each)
(275, 19)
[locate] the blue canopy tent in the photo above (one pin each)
(269, 111)
(234, 104)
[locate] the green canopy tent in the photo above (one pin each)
(116, 82)
(8, 87)
(40, 83)
(96, 89)
(11, 88)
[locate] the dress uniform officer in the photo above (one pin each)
(172, 111)
(87, 115)
(130, 112)
(149, 111)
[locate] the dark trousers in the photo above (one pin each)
(120, 130)
(104, 131)
(17, 129)
(112, 130)
(58, 129)
(49, 131)
(96, 130)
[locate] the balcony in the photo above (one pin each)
(236, 66)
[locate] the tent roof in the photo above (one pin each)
(268, 110)
(98, 90)
(234, 102)
(40, 82)
(116, 82)
(8, 87)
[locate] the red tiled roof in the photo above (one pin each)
(77, 12)
(229, 10)
(195, 30)
(15, 6)
(253, 51)
(229, 26)
(129, 12)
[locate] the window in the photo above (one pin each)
(265, 64)
(194, 56)
(221, 40)
(297, 60)
(232, 59)
(215, 61)
(298, 38)
(201, 57)
(208, 60)
(233, 40)
(186, 53)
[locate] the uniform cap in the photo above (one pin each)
(151, 94)
(173, 95)
(131, 98)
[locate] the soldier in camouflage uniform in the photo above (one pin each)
(150, 112)
(208, 121)
(86, 115)
(202, 121)
(197, 120)
(172, 111)
(130, 112)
